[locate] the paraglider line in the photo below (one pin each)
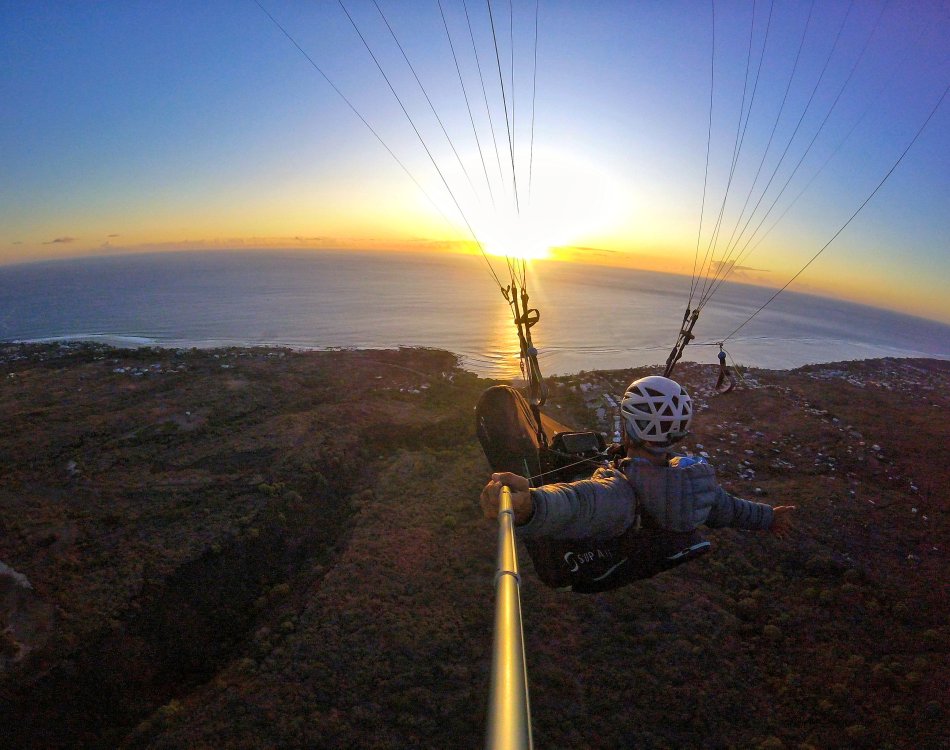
(481, 78)
(702, 208)
(468, 106)
(746, 250)
(743, 127)
(362, 119)
(426, 95)
(504, 99)
(723, 269)
(768, 145)
(424, 145)
(534, 93)
(845, 225)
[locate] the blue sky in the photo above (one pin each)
(143, 125)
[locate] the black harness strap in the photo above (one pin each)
(525, 319)
(685, 336)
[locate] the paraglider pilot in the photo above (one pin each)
(651, 487)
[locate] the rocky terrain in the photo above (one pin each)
(265, 548)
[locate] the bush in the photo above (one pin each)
(748, 607)
(839, 691)
(773, 633)
(856, 731)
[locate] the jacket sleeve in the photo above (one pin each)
(680, 499)
(602, 506)
(729, 510)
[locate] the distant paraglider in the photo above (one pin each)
(725, 380)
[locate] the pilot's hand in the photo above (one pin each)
(521, 502)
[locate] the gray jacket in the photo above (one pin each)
(675, 498)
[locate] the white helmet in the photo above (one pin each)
(656, 410)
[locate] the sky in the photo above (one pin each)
(141, 126)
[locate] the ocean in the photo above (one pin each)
(591, 317)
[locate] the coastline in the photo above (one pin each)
(697, 354)
(326, 302)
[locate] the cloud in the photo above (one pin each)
(16, 242)
(113, 235)
(588, 250)
(431, 244)
(240, 243)
(60, 241)
(719, 266)
(584, 253)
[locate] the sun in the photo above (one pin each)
(571, 199)
(520, 250)
(570, 202)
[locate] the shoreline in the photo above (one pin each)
(131, 343)
(314, 303)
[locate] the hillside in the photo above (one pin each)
(265, 548)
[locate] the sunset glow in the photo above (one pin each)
(607, 153)
(519, 251)
(568, 201)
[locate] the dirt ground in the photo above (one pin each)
(266, 548)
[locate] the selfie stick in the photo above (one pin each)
(509, 713)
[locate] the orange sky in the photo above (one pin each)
(622, 155)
